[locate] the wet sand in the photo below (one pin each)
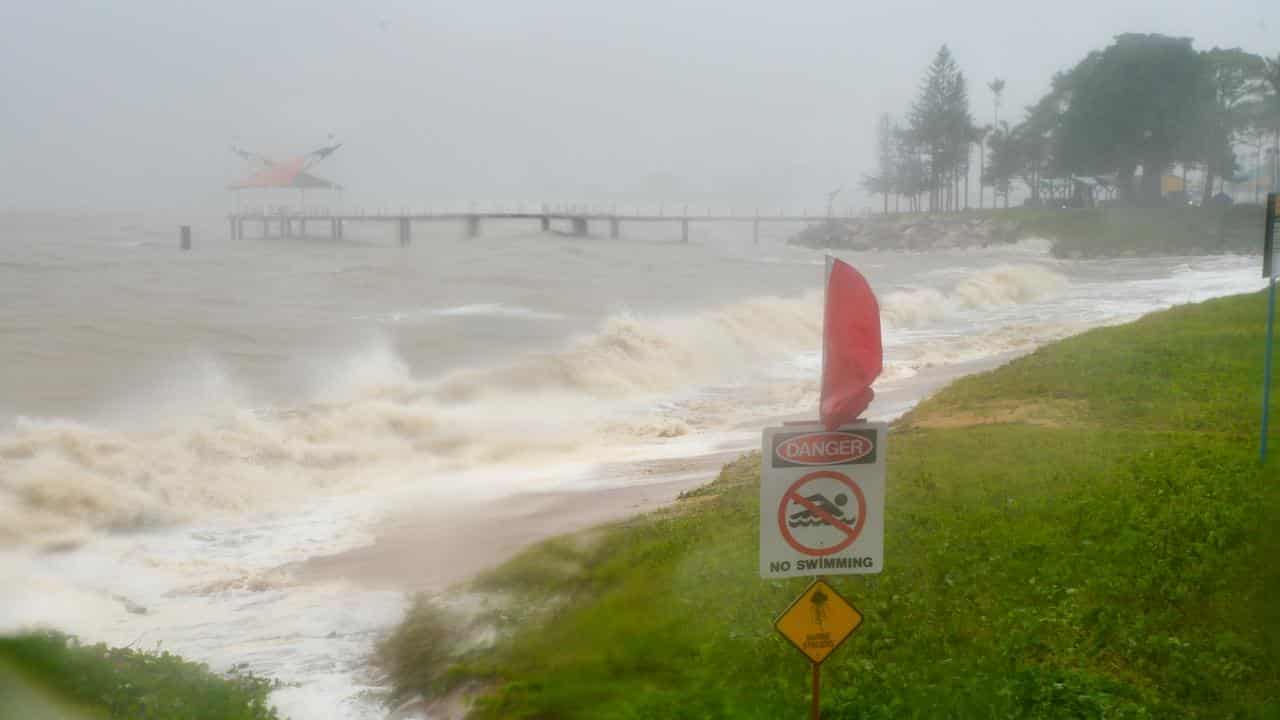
(428, 549)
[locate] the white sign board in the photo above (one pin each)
(822, 500)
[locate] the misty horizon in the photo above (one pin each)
(135, 108)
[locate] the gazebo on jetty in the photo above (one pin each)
(290, 174)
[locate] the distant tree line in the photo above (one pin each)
(1116, 123)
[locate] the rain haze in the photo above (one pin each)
(133, 105)
(399, 361)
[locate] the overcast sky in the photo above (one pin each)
(133, 104)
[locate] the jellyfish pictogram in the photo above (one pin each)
(819, 600)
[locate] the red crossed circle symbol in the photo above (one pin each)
(851, 532)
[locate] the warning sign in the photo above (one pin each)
(818, 621)
(822, 500)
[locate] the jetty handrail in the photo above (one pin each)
(579, 217)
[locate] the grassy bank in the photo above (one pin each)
(50, 676)
(1083, 533)
(1105, 232)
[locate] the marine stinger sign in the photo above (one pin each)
(822, 500)
(818, 621)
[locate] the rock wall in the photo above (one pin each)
(909, 232)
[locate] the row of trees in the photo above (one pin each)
(929, 157)
(1147, 102)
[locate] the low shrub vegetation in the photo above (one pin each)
(51, 675)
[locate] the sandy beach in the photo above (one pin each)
(429, 549)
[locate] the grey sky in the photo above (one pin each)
(133, 104)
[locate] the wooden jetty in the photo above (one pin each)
(290, 224)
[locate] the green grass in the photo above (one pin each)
(1083, 533)
(50, 675)
(1101, 232)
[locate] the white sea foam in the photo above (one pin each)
(474, 310)
(496, 310)
(997, 286)
(370, 420)
(1008, 284)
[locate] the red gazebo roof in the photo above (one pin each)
(288, 174)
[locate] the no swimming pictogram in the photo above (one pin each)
(815, 515)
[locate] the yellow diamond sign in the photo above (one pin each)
(818, 621)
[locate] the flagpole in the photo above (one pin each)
(826, 292)
(1268, 251)
(1266, 366)
(822, 365)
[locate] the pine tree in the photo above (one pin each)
(942, 128)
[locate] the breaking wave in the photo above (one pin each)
(1000, 285)
(370, 421)
(1008, 284)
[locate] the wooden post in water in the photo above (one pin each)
(473, 227)
(405, 238)
(546, 223)
(340, 229)
(580, 226)
(614, 227)
(184, 235)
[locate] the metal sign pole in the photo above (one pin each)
(815, 704)
(1268, 250)
(814, 711)
(1266, 367)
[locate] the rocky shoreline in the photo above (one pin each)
(909, 232)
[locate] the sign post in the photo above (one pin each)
(1269, 272)
(821, 513)
(817, 623)
(815, 706)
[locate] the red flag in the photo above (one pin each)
(852, 355)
